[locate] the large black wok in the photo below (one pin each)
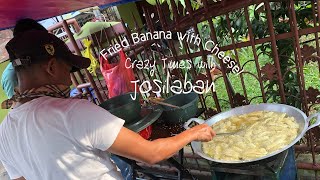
(299, 116)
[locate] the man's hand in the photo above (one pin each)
(203, 132)
(131, 145)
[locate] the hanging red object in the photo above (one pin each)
(118, 80)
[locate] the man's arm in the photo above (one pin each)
(131, 145)
(106, 132)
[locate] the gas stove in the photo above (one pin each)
(281, 166)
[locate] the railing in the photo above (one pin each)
(274, 44)
(265, 77)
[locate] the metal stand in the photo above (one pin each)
(182, 171)
(279, 167)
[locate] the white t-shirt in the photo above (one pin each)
(58, 139)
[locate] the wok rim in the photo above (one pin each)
(123, 105)
(185, 105)
(303, 131)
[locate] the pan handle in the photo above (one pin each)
(317, 123)
(186, 124)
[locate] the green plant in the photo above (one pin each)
(238, 26)
(285, 47)
(258, 18)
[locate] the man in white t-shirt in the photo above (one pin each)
(48, 136)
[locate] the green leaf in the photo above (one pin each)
(152, 2)
(183, 3)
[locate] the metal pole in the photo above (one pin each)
(275, 52)
(77, 50)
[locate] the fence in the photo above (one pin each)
(254, 51)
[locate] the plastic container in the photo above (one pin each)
(188, 104)
(124, 107)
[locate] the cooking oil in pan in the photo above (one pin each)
(260, 133)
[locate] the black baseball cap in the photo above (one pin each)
(35, 46)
